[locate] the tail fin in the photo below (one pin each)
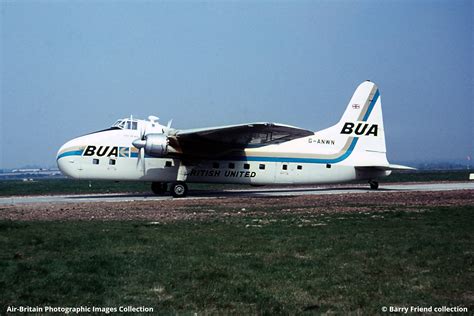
(359, 135)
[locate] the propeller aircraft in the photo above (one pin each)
(260, 153)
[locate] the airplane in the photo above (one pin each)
(260, 153)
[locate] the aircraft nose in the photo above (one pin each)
(67, 159)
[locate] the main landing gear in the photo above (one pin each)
(177, 189)
(159, 188)
(374, 185)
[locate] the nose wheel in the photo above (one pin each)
(374, 185)
(179, 189)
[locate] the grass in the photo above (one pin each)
(342, 263)
(68, 186)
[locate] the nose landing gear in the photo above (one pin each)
(374, 185)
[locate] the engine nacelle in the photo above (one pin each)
(156, 145)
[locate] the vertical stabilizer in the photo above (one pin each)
(361, 128)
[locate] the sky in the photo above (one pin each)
(71, 67)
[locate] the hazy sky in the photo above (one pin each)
(68, 68)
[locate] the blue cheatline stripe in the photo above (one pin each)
(254, 158)
(371, 105)
(135, 155)
(79, 153)
(301, 160)
(70, 153)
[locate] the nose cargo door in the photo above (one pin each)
(79, 161)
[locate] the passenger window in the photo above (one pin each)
(231, 165)
(328, 165)
(246, 166)
(285, 167)
(134, 125)
(95, 161)
(261, 166)
(215, 165)
(112, 162)
(299, 167)
(168, 164)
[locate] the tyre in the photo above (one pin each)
(374, 185)
(179, 189)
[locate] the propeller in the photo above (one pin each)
(154, 143)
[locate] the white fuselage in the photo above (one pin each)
(110, 155)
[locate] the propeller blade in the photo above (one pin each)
(143, 136)
(168, 127)
(142, 158)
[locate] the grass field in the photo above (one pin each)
(279, 264)
(68, 186)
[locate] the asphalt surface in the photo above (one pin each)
(265, 191)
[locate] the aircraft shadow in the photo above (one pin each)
(276, 192)
(230, 193)
(112, 195)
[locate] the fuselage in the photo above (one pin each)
(110, 155)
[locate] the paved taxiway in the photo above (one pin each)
(263, 191)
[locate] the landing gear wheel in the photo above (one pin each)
(374, 185)
(159, 188)
(179, 189)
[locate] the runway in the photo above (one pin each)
(252, 192)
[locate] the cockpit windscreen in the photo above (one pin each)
(126, 124)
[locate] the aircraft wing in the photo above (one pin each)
(214, 140)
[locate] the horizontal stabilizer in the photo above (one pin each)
(386, 168)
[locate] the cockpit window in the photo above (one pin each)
(120, 124)
(131, 125)
(126, 124)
